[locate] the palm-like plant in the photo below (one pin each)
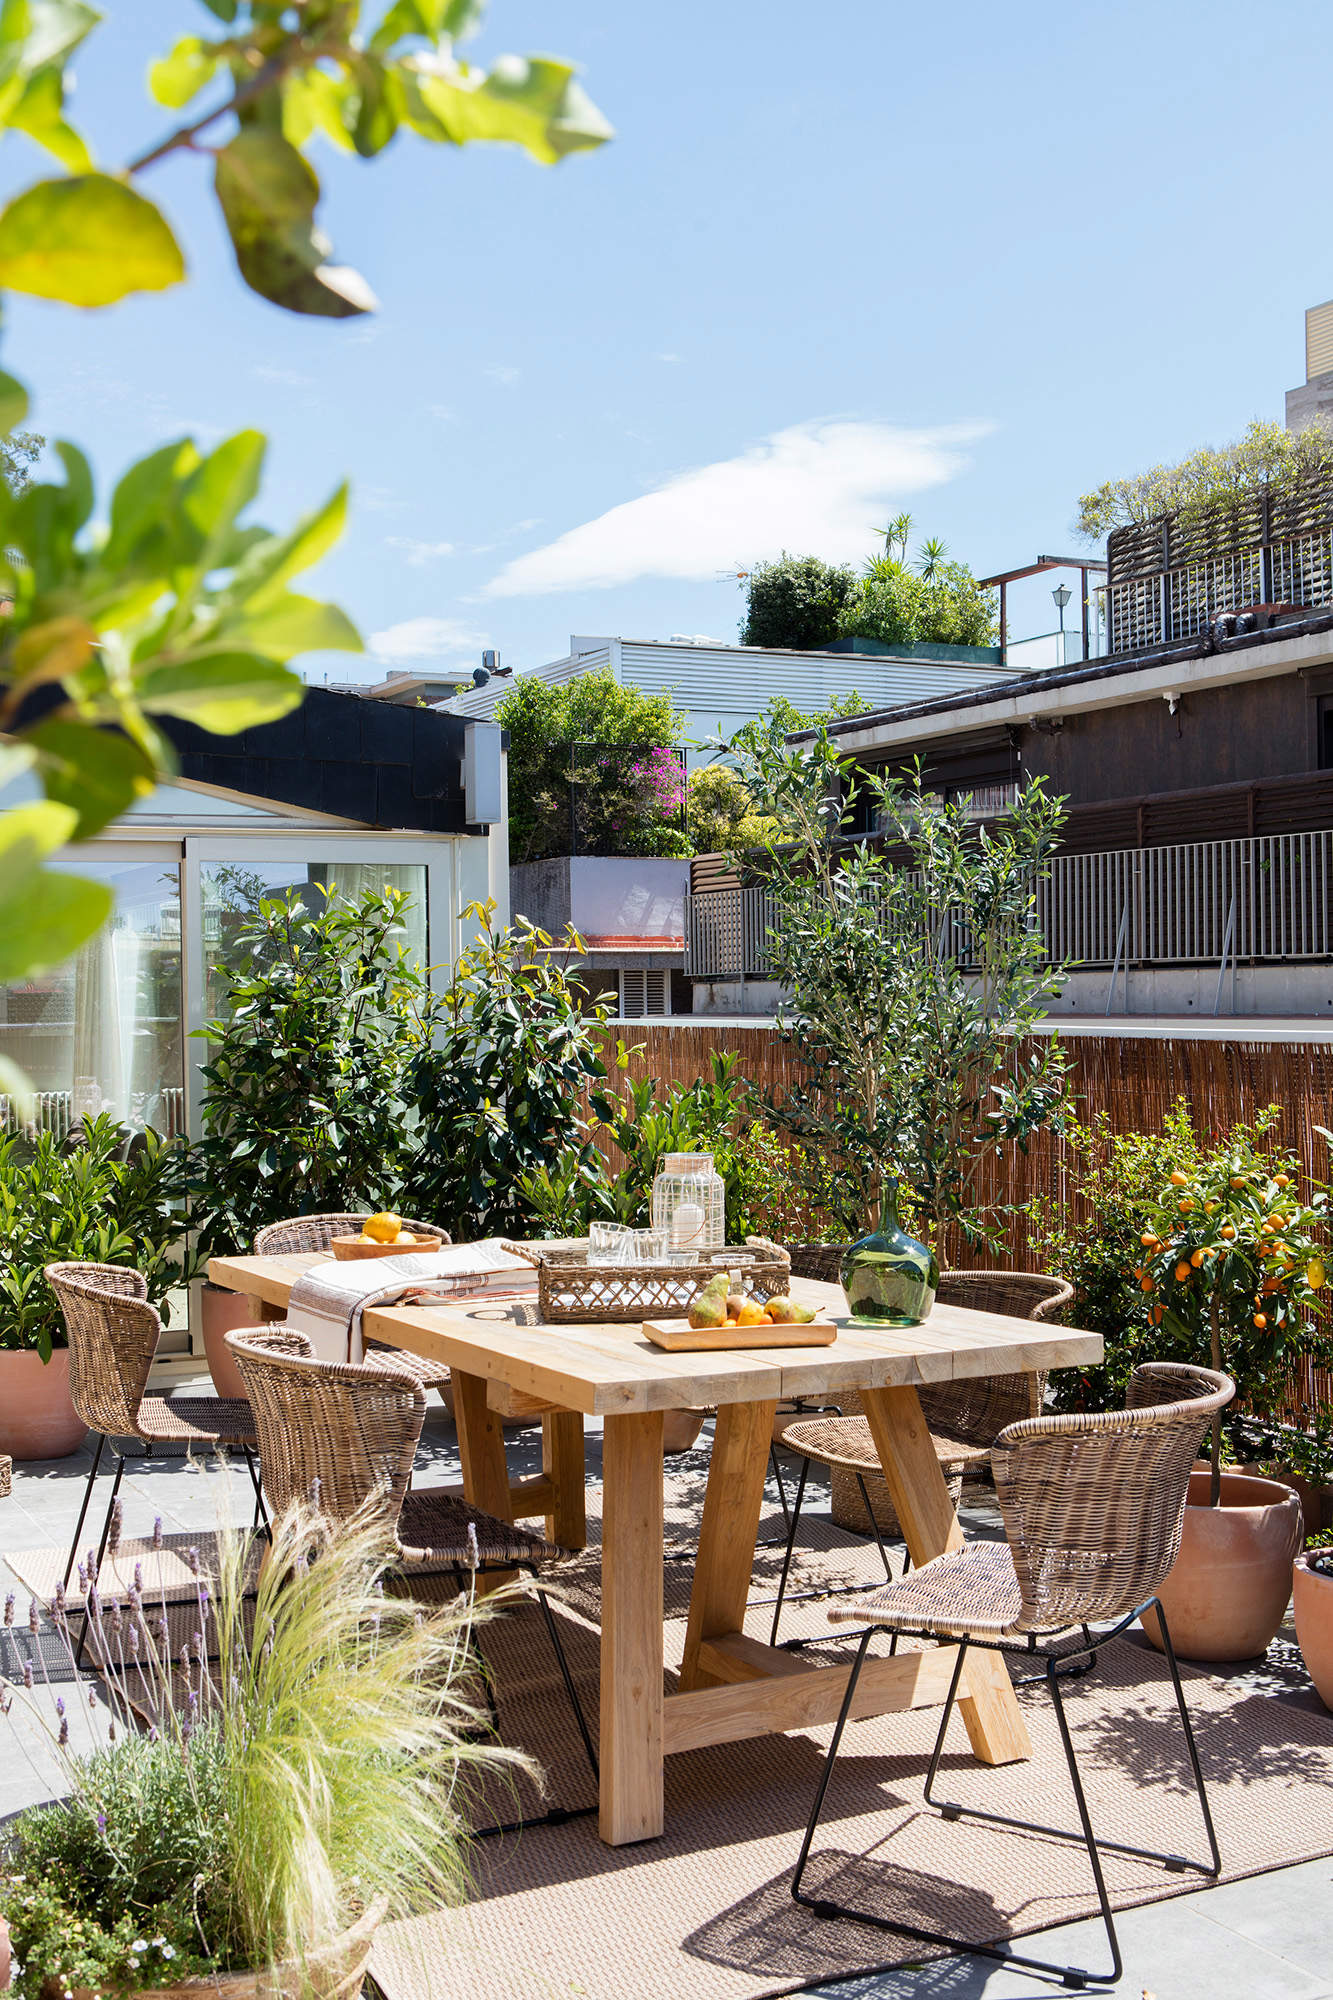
(931, 558)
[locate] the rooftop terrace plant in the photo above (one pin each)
(297, 1771)
(104, 1195)
(1213, 477)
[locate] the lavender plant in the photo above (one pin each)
(245, 1781)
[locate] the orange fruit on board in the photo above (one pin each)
(752, 1314)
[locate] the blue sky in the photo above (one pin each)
(962, 260)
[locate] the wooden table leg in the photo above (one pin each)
(481, 1446)
(563, 1464)
(995, 1725)
(728, 1531)
(632, 1618)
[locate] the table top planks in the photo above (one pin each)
(611, 1369)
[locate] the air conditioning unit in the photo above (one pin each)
(644, 994)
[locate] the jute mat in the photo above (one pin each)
(705, 1912)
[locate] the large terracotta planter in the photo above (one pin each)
(332, 1972)
(219, 1312)
(1227, 1594)
(37, 1415)
(1312, 1603)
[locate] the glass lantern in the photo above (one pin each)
(689, 1204)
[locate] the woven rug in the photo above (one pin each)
(705, 1912)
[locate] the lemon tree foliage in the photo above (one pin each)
(177, 603)
(1232, 1261)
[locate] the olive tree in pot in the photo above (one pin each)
(107, 1196)
(1233, 1264)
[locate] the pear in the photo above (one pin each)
(786, 1312)
(735, 1300)
(710, 1307)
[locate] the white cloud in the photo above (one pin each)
(506, 377)
(666, 357)
(286, 378)
(818, 486)
(419, 554)
(442, 641)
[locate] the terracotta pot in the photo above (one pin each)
(333, 1972)
(1316, 1501)
(680, 1428)
(219, 1312)
(37, 1415)
(4, 1953)
(1312, 1602)
(1227, 1594)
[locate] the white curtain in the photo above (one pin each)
(100, 1079)
(354, 879)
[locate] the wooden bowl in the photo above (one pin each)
(347, 1249)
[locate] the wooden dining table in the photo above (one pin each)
(506, 1362)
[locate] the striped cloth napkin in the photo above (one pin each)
(328, 1302)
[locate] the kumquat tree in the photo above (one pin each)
(1234, 1264)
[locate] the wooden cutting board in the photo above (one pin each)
(679, 1337)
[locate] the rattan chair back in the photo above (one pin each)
(975, 1410)
(113, 1334)
(341, 1430)
(1093, 1505)
(315, 1232)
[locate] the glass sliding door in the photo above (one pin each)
(104, 1031)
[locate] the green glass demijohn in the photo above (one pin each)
(890, 1279)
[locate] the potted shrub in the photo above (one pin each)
(304, 1106)
(109, 1196)
(1312, 1605)
(294, 1787)
(1232, 1264)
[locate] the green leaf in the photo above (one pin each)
(533, 102)
(13, 403)
(268, 193)
(225, 10)
(312, 100)
(97, 772)
(224, 484)
(43, 916)
(267, 567)
(40, 113)
(379, 104)
(292, 624)
(176, 78)
(140, 500)
(88, 240)
(222, 692)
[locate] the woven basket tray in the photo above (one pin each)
(571, 1290)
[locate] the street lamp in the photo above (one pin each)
(1062, 595)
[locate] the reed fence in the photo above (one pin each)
(1135, 1082)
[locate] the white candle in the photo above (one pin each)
(687, 1225)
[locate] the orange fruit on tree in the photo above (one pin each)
(1180, 1180)
(1155, 1314)
(1282, 1180)
(1198, 1258)
(1260, 1321)
(1145, 1283)
(1149, 1242)
(1185, 1206)
(1182, 1272)
(1227, 1230)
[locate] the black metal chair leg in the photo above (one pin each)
(782, 1491)
(826, 1774)
(83, 1511)
(558, 1648)
(260, 1519)
(1095, 1859)
(1169, 1652)
(793, 1522)
(101, 1550)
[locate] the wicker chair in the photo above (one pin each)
(965, 1417)
(113, 1334)
(1093, 1508)
(315, 1233)
(348, 1431)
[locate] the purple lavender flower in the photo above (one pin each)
(9, 1608)
(27, 1673)
(138, 1579)
(192, 1560)
(101, 1822)
(157, 1532)
(116, 1524)
(34, 1622)
(62, 1737)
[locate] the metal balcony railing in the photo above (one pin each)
(1205, 902)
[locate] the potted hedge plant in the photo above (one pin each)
(108, 1196)
(1233, 1267)
(1312, 1606)
(305, 1105)
(251, 1809)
